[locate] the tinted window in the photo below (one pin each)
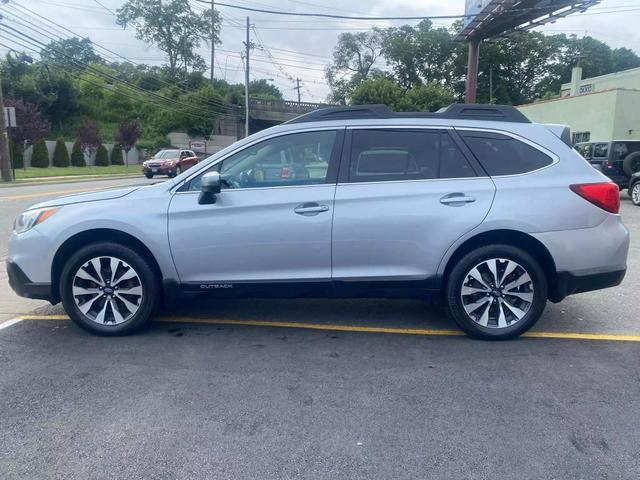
(601, 150)
(296, 159)
(503, 155)
(386, 155)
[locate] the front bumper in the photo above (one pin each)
(23, 286)
(162, 170)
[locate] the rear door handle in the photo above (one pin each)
(458, 199)
(311, 208)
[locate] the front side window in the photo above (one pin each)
(288, 160)
(391, 155)
(503, 155)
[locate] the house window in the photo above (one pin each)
(579, 137)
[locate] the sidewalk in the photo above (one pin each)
(67, 179)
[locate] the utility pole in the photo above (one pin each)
(5, 161)
(246, 82)
(472, 71)
(298, 87)
(491, 84)
(213, 37)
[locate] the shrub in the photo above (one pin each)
(116, 155)
(60, 154)
(102, 157)
(18, 156)
(77, 155)
(40, 156)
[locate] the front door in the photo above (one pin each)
(272, 220)
(403, 198)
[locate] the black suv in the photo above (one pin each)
(618, 160)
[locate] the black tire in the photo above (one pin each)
(457, 277)
(634, 193)
(148, 175)
(631, 163)
(149, 282)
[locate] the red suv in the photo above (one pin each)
(169, 162)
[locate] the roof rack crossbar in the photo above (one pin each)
(500, 113)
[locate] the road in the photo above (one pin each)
(322, 389)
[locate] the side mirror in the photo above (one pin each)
(210, 186)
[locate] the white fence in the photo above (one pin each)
(134, 155)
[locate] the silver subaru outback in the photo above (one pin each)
(474, 204)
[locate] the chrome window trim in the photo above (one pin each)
(205, 166)
(554, 157)
(253, 189)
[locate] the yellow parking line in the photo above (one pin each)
(357, 328)
(46, 194)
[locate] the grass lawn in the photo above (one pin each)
(29, 173)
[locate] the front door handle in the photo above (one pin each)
(457, 199)
(311, 208)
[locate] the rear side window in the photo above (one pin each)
(388, 155)
(503, 155)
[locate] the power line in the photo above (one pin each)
(160, 80)
(100, 74)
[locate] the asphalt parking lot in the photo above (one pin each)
(323, 389)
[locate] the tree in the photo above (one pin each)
(102, 157)
(376, 91)
(40, 155)
(71, 51)
(60, 154)
(31, 126)
(173, 27)
(89, 136)
(426, 98)
(128, 134)
(116, 155)
(263, 89)
(420, 54)
(353, 59)
(77, 155)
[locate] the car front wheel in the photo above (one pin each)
(109, 289)
(496, 292)
(635, 194)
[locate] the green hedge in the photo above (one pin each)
(102, 157)
(77, 155)
(60, 154)
(18, 156)
(116, 155)
(40, 156)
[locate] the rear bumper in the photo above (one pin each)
(23, 286)
(568, 284)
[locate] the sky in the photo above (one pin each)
(297, 47)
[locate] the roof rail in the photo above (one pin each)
(499, 113)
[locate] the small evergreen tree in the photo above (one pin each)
(102, 157)
(18, 156)
(60, 154)
(77, 155)
(116, 155)
(40, 155)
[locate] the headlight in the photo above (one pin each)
(29, 219)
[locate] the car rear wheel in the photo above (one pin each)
(109, 289)
(496, 292)
(631, 163)
(635, 194)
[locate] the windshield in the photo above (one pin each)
(166, 154)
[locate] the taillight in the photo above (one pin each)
(603, 195)
(285, 172)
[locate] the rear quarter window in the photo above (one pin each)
(504, 155)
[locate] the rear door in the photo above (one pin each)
(404, 196)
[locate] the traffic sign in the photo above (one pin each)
(10, 117)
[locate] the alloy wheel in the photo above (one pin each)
(635, 193)
(497, 293)
(107, 290)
